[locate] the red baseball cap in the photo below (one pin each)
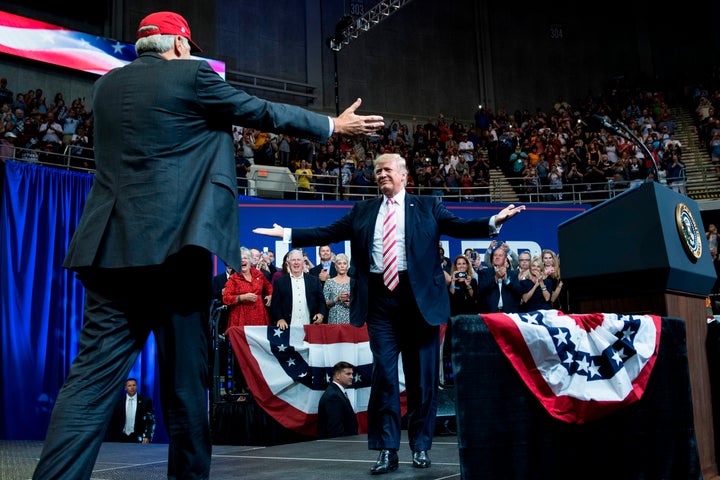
(166, 23)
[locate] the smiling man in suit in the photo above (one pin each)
(398, 288)
(297, 297)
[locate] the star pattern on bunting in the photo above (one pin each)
(579, 356)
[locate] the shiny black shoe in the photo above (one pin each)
(421, 459)
(386, 462)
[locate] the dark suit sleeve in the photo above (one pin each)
(281, 304)
(226, 101)
(317, 302)
(334, 416)
(486, 281)
(458, 227)
(147, 419)
(331, 414)
(336, 232)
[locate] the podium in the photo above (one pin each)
(645, 252)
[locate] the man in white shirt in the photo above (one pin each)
(466, 148)
(297, 297)
(51, 132)
(133, 418)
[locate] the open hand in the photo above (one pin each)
(275, 231)
(352, 125)
(507, 213)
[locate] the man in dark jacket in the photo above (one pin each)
(163, 200)
(289, 305)
(336, 417)
(403, 307)
(133, 418)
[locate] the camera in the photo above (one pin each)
(460, 274)
(473, 256)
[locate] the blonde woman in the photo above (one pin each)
(536, 288)
(337, 292)
(551, 267)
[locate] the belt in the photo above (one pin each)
(401, 273)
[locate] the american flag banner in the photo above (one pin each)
(580, 367)
(53, 44)
(287, 370)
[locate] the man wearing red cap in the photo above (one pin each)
(164, 198)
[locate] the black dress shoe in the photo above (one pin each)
(386, 462)
(421, 459)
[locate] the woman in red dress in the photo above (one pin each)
(247, 294)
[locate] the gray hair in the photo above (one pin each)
(342, 257)
(295, 251)
(156, 43)
(245, 251)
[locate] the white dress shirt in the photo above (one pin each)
(300, 311)
(130, 409)
(377, 247)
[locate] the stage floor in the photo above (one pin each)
(344, 458)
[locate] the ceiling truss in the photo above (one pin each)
(349, 28)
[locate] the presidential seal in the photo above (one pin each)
(688, 231)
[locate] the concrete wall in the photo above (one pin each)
(428, 57)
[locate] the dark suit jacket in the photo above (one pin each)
(489, 293)
(318, 268)
(426, 218)
(144, 419)
(281, 307)
(166, 177)
(218, 284)
(336, 417)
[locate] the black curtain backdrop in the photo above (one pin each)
(504, 432)
(41, 303)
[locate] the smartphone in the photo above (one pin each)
(473, 256)
(265, 250)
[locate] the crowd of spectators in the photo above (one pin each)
(35, 130)
(545, 155)
(706, 104)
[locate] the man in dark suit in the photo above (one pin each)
(499, 281)
(336, 417)
(163, 200)
(133, 419)
(402, 297)
(326, 268)
(287, 306)
(219, 280)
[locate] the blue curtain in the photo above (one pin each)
(41, 303)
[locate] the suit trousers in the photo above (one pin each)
(122, 307)
(396, 327)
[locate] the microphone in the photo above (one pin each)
(605, 122)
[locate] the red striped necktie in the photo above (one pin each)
(390, 260)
